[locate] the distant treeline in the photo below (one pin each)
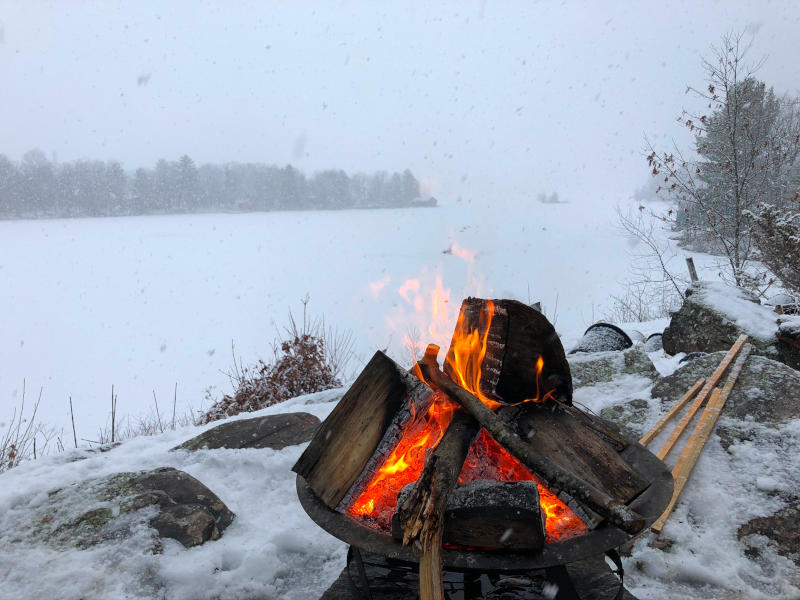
(37, 187)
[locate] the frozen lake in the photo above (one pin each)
(144, 303)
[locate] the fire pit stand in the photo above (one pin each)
(650, 504)
(505, 395)
(370, 576)
(379, 566)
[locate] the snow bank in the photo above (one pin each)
(271, 550)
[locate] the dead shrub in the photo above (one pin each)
(306, 360)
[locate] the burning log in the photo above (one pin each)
(422, 514)
(372, 413)
(522, 356)
(490, 514)
(556, 476)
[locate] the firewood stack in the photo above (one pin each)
(506, 373)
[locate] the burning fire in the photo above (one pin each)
(404, 464)
(486, 459)
(469, 349)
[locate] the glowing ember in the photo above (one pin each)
(486, 459)
(404, 464)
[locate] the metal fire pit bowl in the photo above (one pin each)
(650, 504)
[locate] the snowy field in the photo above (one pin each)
(144, 303)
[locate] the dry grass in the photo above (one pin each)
(25, 436)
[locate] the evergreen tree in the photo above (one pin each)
(747, 148)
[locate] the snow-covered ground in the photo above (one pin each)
(144, 303)
(274, 550)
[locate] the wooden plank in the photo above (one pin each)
(701, 398)
(347, 439)
(557, 433)
(679, 405)
(691, 453)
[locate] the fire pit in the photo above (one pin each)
(484, 467)
(650, 504)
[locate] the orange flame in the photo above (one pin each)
(404, 464)
(468, 351)
(539, 398)
(486, 459)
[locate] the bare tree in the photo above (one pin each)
(746, 148)
(654, 290)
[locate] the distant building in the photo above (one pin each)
(422, 202)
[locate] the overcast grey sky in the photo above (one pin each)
(479, 99)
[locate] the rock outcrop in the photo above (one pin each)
(766, 390)
(124, 505)
(783, 528)
(601, 367)
(273, 431)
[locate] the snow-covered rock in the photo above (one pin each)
(782, 528)
(271, 549)
(162, 503)
(766, 391)
(598, 367)
(714, 315)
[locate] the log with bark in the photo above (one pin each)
(517, 336)
(421, 515)
(491, 515)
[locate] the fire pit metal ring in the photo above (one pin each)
(650, 504)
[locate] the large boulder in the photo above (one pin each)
(766, 390)
(714, 315)
(601, 367)
(273, 431)
(163, 503)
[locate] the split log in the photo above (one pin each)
(565, 437)
(556, 477)
(516, 337)
(372, 413)
(490, 514)
(421, 515)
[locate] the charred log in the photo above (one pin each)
(422, 513)
(567, 438)
(490, 514)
